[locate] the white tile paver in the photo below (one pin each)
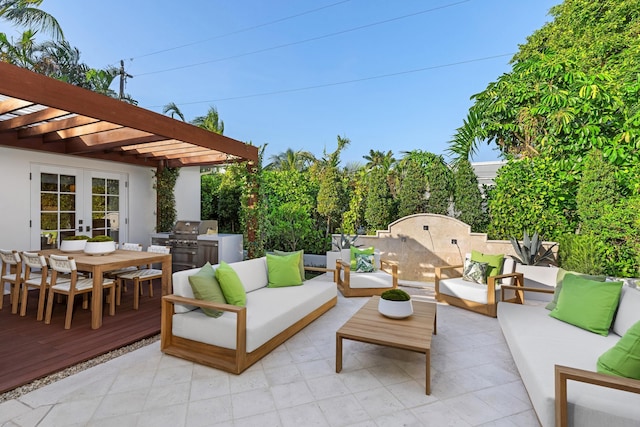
(474, 383)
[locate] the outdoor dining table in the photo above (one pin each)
(97, 265)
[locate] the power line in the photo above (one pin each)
(380, 76)
(243, 30)
(397, 18)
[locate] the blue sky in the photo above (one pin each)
(299, 82)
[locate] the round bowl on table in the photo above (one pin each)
(99, 248)
(72, 245)
(395, 309)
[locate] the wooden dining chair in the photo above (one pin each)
(143, 275)
(61, 264)
(37, 276)
(11, 273)
(113, 274)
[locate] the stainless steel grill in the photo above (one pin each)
(186, 251)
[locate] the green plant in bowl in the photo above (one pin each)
(101, 238)
(79, 237)
(395, 295)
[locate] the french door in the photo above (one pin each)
(69, 201)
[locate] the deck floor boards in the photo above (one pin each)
(32, 350)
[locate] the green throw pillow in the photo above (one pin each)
(301, 263)
(206, 288)
(560, 277)
(623, 359)
(587, 304)
(231, 285)
(354, 251)
(283, 270)
(495, 262)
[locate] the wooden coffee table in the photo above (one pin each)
(412, 333)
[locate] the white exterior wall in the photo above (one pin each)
(15, 205)
(187, 194)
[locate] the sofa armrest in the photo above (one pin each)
(385, 263)
(175, 299)
(438, 274)
(521, 289)
(491, 286)
(166, 330)
(565, 373)
(322, 269)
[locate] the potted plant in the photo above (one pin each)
(100, 245)
(395, 303)
(73, 243)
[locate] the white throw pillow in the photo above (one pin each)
(628, 310)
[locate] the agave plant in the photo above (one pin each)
(345, 242)
(528, 252)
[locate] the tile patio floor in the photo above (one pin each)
(474, 383)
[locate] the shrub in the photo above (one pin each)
(101, 238)
(79, 237)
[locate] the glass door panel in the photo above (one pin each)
(54, 204)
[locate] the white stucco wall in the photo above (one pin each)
(187, 194)
(15, 201)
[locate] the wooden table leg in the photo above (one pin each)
(428, 381)
(96, 298)
(338, 353)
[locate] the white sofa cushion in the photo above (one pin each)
(538, 342)
(253, 273)
(376, 279)
(269, 312)
(628, 310)
(470, 291)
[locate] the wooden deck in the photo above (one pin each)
(32, 350)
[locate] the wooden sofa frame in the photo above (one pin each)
(229, 360)
(488, 309)
(563, 374)
(344, 286)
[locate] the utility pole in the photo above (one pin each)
(123, 77)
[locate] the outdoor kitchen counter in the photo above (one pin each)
(229, 246)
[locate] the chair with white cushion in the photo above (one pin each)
(481, 298)
(37, 276)
(143, 275)
(113, 274)
(352, 283)
(75, 286)
(12, 274)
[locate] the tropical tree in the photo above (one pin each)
(379, 209)
(291, 160)
(330, 201)
(26, 13)
(412, 188)
(210, 121)
(467, 197)
(173, 110)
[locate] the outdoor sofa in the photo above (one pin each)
(557, 363)
(241, 335)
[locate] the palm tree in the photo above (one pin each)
(291, 160)
(377, 158)
(210, 122)
(174, 110)
(26, 13)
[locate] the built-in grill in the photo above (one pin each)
(186, 251)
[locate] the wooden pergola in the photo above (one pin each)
(41, 113)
